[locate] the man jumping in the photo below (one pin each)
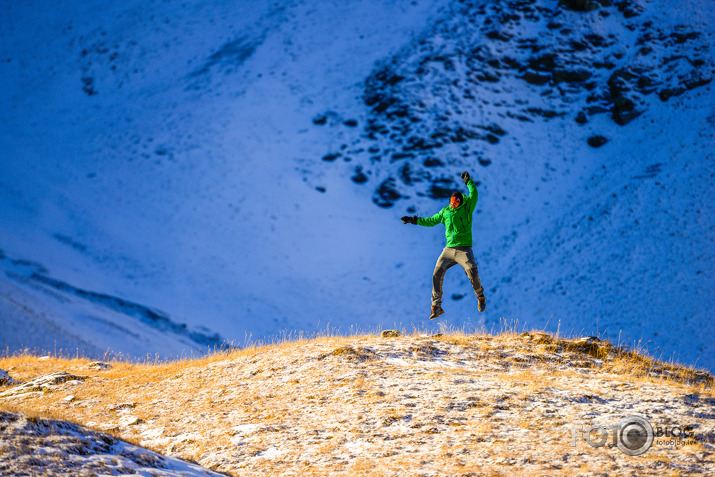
(457, 220)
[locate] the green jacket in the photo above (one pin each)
(457, 222)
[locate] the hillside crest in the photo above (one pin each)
(443, 404)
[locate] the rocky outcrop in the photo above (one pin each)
(426, 104)
(33, 447)
(5, 379)
(99, 365)
(447, 403)
(597, 141)
(44, 383)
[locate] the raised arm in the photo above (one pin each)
(473, 194)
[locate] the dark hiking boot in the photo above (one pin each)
(482, 303)
(436, 311)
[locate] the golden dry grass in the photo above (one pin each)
(340, 391)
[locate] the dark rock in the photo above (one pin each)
(320, 120)
(545, 62)
(596, 109)
(537, 78)
(483, 161)
(398, 110)
(401, 155)
(88, 85)
(665, 94)
(406, 174)
(387, 76)
(359, 177)
(490, 77)
(495, 129)
(645, 50)
(651, 172)
(620, 85)
(499, 35)
(520, 117)
(433, 162)
(578, 45)
(604, 64)
(374, 126)
(508, 17)
(379, 101)
(580, 5)
(511, 63)
(351, 123)
(581, 118)
(595, 40)
(99, 365)
(387, 194)
(5, 379)
(442, 188)
(695, 81)
(628, 8)
(624, 111)
(390, 334)
(597, 141)
(546, 113)
(420, 143)
(680, 38)
(331, 157)
(388, 104)
(571, 76)
(320, 189)
(645, 84)
(462, 134)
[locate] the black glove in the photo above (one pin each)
(409, 220)
(465, 176)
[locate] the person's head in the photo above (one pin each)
(456, 199)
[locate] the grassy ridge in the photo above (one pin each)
(452, 403)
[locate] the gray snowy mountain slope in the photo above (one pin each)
(177, 176)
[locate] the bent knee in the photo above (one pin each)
(439, 271)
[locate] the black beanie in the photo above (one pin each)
(458, 195)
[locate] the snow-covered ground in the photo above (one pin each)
(32, 446)
(410, 405)
(164, 184)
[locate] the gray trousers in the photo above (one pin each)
(451, 256)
